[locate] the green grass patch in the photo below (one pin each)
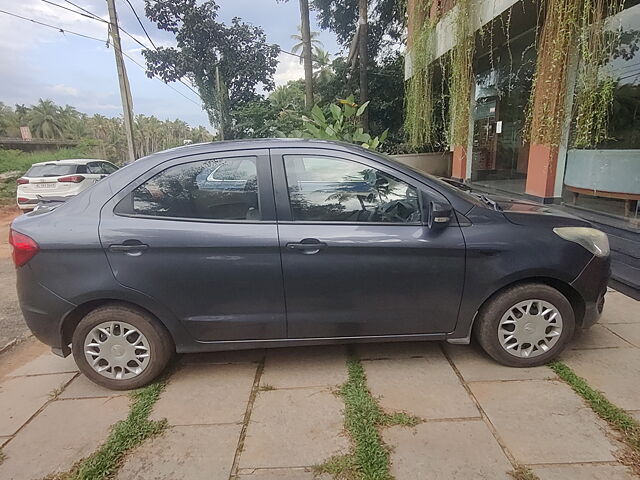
(612, 414)
(523, 473)
(363, 419)
(124, 436)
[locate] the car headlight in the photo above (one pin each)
(590, 238)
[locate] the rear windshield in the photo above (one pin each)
(52, 170)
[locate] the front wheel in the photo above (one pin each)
(526, 325)
(120, 347)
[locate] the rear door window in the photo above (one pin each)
(219, 189)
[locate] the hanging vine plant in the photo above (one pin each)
(420, 102)
(547, 104)
(419, 98)
(568, 25)
(461, 74)
(595, 88)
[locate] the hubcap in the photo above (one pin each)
(117, 350)
(530, 328)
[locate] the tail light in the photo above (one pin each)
(24, 247)
(22, 181)
(71, 179)
(22, 200)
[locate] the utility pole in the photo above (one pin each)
(364, 58)
(125, 91)
(307, 54)
(222, 119)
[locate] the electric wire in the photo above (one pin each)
(106, 42)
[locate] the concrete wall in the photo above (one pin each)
(438, 163)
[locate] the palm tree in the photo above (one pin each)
(71, 121)
(45, 120)
(299, 47)
(322, 62)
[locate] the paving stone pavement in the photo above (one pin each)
(273, 415)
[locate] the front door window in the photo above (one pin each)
(331, 189)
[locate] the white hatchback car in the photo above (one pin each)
(61, 178)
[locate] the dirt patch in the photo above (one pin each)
(22, 353)
(7, 214)
(12, 324)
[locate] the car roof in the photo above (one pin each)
(70, 161)
(251, 143)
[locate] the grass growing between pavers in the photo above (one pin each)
(124, 436)
(523, 473)
(363, 420)
(616, 417)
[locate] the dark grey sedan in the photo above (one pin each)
(237, 245)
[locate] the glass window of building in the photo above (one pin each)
(606, 178)
(505, 66)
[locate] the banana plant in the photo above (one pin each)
(342, 123)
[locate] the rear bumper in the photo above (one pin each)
(43, 310)
(592, 286)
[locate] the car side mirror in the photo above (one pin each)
(439, 214)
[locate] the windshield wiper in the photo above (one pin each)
(487, 200)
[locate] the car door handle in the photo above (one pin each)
(308, 247)
(130, 249)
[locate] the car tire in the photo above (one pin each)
(121, 347)
(522, 312)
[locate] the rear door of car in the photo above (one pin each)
(205, 248)
(356, 257)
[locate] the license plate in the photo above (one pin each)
(44, 185)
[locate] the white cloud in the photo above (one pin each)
(289, 68)
(61, 89)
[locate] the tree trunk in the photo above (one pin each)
(307, 54)
(364, 59)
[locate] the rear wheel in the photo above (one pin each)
(120, 347)
(526, 325)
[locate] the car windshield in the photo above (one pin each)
(51, 170)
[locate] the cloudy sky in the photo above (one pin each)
(40, 62)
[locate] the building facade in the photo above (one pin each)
(500, 153)
(526, 124)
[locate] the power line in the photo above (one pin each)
(86, 11)
(63, 31)
(74, 11)
(155, 76)
(89, 14)
(141, 24)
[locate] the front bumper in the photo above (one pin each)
(591, 284)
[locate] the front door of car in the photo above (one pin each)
(357, 259)
(198, 235)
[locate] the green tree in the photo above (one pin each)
(386, 93)
(45, 120)
(385, 26)
(322, 64)
(299, 46)
(342, 123)
(289, 96)
(225, 62)
(7, 120)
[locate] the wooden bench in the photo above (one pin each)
(630, 199)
